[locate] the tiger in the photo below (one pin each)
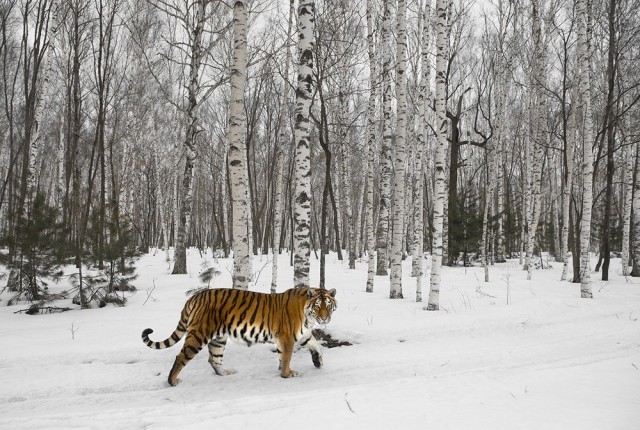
(211, 316)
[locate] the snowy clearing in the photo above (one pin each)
(548, 360)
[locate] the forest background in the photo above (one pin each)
(469, 132)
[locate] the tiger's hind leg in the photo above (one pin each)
(315, 349)
(192, 345)
(216, 351)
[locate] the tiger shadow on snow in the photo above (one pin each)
(327, 340)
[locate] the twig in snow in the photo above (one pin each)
(603, 285)
(73, 330)
(482, 293)
(632, 319)
(634, 365)
(150, 291)
(445, 363)
(348, 405)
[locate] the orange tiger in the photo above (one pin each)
(210, 317)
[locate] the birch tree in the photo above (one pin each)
(386, 163)
(628, 200)
(400, 143)
(535, 147)
(504, 16)
(346, 172)
(424, 97)
(46, 28)
(441, 152)
(304, 91)
(568, 178)
(635, 253)
(238, 151)
(279, 156)
(196, 28)
(584, 60)
(371, 143)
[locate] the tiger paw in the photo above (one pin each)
(223, 372)
(316, 358)
(289, 374)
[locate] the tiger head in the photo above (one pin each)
(320, 304)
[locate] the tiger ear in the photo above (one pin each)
(332, 292)
(310, 293)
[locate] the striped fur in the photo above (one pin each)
(212, 316)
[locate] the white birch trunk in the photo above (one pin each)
(503, 90)
(628, 198)
(400, 149)
(386, 162)
(635, 254)
(424, 98)
(282, 136)
(238, 152)
(488, 201)
(191, 154)
(346, 181)
(60, 185)
(500, 247)
(493, 156)
(537, 118)
(161, 209)
(371, 145)
(224, 195)
(302, 211)
(441, 152)
(583, 52)
(568, 183)
(41, 93)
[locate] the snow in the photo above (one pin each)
(546, 360)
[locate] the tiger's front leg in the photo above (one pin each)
(315, 349)
(285, 348)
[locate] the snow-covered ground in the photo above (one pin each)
(546, 360)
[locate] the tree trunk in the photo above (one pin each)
(34, 126)
(386, 163)
(441, 152)
(279, 161)
(583, 52)
(191, 153)
(346, 180)
(237, 152)
(400, 143)
(628, 199)
(424, 100)
(609, 115)
(568, 177)
(536, 140)
(304, 91)
(371, 144)
(635, 253)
